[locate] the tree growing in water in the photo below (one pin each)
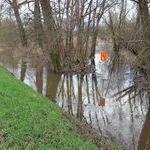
(66, 30)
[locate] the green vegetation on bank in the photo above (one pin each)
(30, 121)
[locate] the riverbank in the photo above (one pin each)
(30, 121)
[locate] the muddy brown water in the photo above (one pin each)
(125, 118)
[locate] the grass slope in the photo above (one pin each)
(28, 121)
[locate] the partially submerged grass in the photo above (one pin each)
(29, 121)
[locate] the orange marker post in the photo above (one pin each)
(103, 59)
(103, 56)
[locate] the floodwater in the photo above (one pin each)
(123, 118)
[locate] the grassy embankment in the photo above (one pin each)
(30, 121)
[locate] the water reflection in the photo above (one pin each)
(39, 79)
(80, 102)
(23, 70)
(52, 85)
(144, 141)
(126, 116)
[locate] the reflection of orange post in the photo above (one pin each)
(102, 102)
(103, 56)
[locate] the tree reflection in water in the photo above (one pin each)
(144, 141)
(23, 70)
(53, 80)
(39, 79)
(122, 117)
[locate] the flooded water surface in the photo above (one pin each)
(123, 117)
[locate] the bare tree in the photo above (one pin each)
(15, 7)
(38, 27)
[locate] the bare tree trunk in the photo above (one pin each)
(144, 14)
(38, 28)
(114, 36)
(52, 35)
(22, 34)
(80, 32)
(87, 35)
(96, 27)
(19, 23)
(67, 26)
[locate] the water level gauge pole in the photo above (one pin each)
(103, 59)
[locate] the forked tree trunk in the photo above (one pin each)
(53, 38)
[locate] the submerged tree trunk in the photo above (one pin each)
(80, 102)
(52, 85)
(22, 34)
(39, 79)
(23, 70)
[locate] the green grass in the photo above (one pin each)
(29, 121)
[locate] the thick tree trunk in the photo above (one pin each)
(53, 38)
(52, 85)
(22, 34)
